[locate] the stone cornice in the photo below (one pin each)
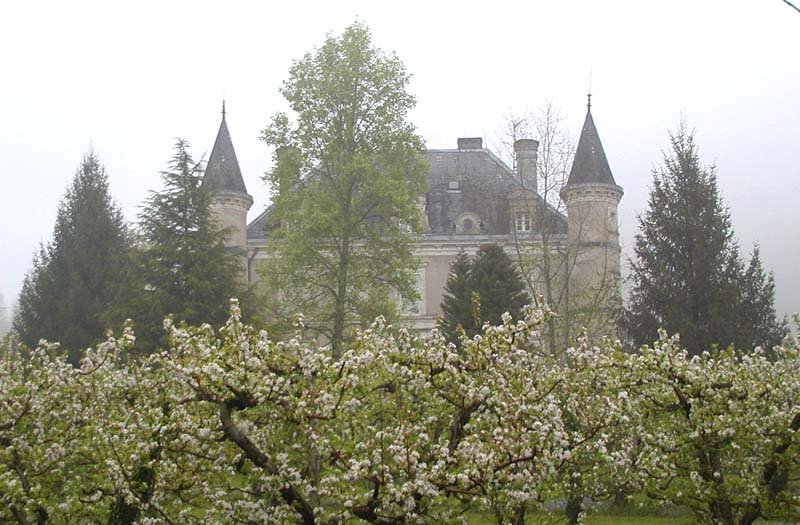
(590, 192)
(232, 199)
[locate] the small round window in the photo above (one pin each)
(467, 225)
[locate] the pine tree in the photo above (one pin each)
(498, 284)
(686, 270)
(480, 291)
(457, 300)
(758, 322)
(181, 265)
(31, 317)
(74, 277)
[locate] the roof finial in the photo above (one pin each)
(589, 95)
(223, 109)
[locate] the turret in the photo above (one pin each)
(231, 200)
(592, 198)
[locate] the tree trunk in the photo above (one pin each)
(548, 291)
(574, 505)
(339, 312)
(519, 515)
(574, 508)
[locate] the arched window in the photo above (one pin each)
(467, 223)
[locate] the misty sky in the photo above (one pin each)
(127, 78)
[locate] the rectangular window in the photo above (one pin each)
(523, 221)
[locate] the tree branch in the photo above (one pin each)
(289, 493)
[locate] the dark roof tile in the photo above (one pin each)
(222, 170)
(590, 165)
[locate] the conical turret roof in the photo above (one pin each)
(222, 171)
(590, 165)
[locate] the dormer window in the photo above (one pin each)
(467, 223)
(522, 221)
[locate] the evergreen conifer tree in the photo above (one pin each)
(686, 271)
(32, 316)
(181, 265)
(499, 287)
(74, 277)
(759, 324)
(457, 300)
(489, 282)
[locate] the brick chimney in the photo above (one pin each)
(526, 154)
(470, 143)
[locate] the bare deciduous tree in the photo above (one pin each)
(548, 262)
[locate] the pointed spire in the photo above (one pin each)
(222, 171)
(590, 164)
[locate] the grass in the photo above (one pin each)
(601, 519)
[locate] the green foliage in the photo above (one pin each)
(686, 271)
(457, 300)
(180, 265)
(230, 426)
(481, 290)
(348, 171)
(713, 436)
(74, 277)
(498, 284)
(759, 324)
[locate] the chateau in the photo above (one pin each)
(473, 199)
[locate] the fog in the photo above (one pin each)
(126, 79)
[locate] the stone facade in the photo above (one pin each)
(475, 199)
(231, 200)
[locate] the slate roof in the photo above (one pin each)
(259, 227)
(470, 181)
(481, 184)
(484, 185)
(590, 165)
(222, 171)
